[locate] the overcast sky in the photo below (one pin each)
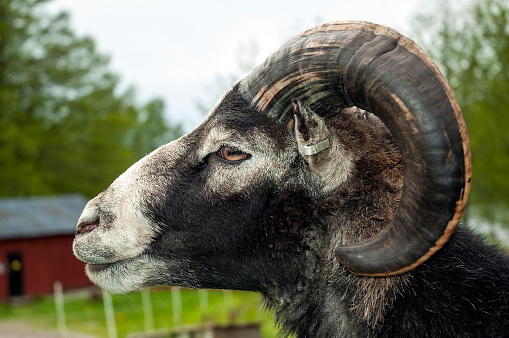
(175, 49)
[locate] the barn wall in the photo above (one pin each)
(44, 261)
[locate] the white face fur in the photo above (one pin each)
(122, 233)
(116, 234)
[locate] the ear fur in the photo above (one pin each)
(310, 130)
(330, 166)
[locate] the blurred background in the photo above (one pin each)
(89, 87)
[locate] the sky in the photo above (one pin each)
(176, 50)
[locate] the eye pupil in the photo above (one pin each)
(232, 155)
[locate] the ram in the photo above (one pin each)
(331, 180)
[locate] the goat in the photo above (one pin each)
(331, 179)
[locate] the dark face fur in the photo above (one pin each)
(186, 215)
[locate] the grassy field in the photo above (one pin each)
(85, 313)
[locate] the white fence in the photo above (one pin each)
(148, 315)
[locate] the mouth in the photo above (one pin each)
(98, 268)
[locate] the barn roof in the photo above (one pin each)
(39, 216)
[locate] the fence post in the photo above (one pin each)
(110, 315)
(59, 308)
(228, 299)
(203, 296)
(176, 300)
(147, 310)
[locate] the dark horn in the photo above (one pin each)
(344, 64)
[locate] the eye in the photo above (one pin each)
(232, 155)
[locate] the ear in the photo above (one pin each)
(312, 133)
(321, 148)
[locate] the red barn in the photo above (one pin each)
(36, 235)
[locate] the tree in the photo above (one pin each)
(64, 127)
(473, 52)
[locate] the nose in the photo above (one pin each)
(85, 226)
(90, 217)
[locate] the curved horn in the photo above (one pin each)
(344, 64)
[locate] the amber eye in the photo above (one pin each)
(232, 155)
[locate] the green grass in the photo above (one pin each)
(85, 314)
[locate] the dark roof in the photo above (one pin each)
(39, 216)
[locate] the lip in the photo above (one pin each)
(98, 268)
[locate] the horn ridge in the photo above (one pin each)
(342, 64)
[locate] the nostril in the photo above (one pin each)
(84, 227)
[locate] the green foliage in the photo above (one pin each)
(64, 127)
(470, 42)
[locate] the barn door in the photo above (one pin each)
(15, 274)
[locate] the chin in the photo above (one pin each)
(119, 277)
